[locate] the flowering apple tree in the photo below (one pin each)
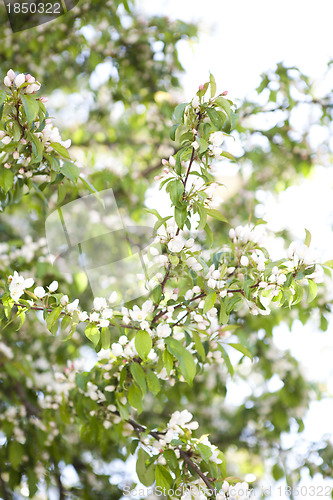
(166, 342)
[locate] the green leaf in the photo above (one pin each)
(139, 376)
(31, 107)
(179, 112)
(186, 361)
(105, 338)
(312, 291)
(328, 263)
(71, 171)
(205, 451)
(175, 189)
(215, 118)
(171, 459)
(167, 361)
(53, 317)
(65, 322)
(307, 238)
(146, 474)
(202, 211)
(153, 382)
(163, 477)
(209, 302)
(212, 85)
(199, 347)
(224, 317)
(135, 397)
(61, 150)
(37, 149)
(227, 360)
(143, 344)
(277, 472)
(225, 105)
(216, 214)
(15, 453)
(3, 96)
(228, 155)
(241, 349)
(180, 216)
(203, 144)
(173, 131)
(6, 179)
(92, 333)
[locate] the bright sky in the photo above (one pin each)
(239, 40)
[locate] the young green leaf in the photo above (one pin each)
(143, 343)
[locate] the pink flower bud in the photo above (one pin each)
(166, 170)
(164, 161)
(16, 155)
(28, 159)
(201, 87)
(30, 79)
(48, 121)
(225, 92)
(23, 141)
(27, 77)
(7, 165)
(21, 171)
(157, 177)
(44, 99)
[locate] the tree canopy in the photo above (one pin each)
(87, 381)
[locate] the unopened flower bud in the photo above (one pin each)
(23, 141)
(157, 177)
(11, 74)
(164, 161)
(44, 99)
(16, 155)
(166, 171)
(21, 171)
(27, 77)
(225, 92)
(7, 81)
(172, 161)
(201, 87)
(19, 80)
(7, 165)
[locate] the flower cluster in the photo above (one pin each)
(26, 83)
(30, 144)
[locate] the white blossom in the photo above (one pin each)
(99, 303)
(53, 286)
(176, 244)
(216, 138)
(39, 292)
(117, 349)
(163, 330)
(64, 300)
(244, 261)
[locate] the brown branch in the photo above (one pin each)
(193, 466)
(184, 455)
(31, 409)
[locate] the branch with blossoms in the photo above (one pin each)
(31, 147)
(179, 331)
